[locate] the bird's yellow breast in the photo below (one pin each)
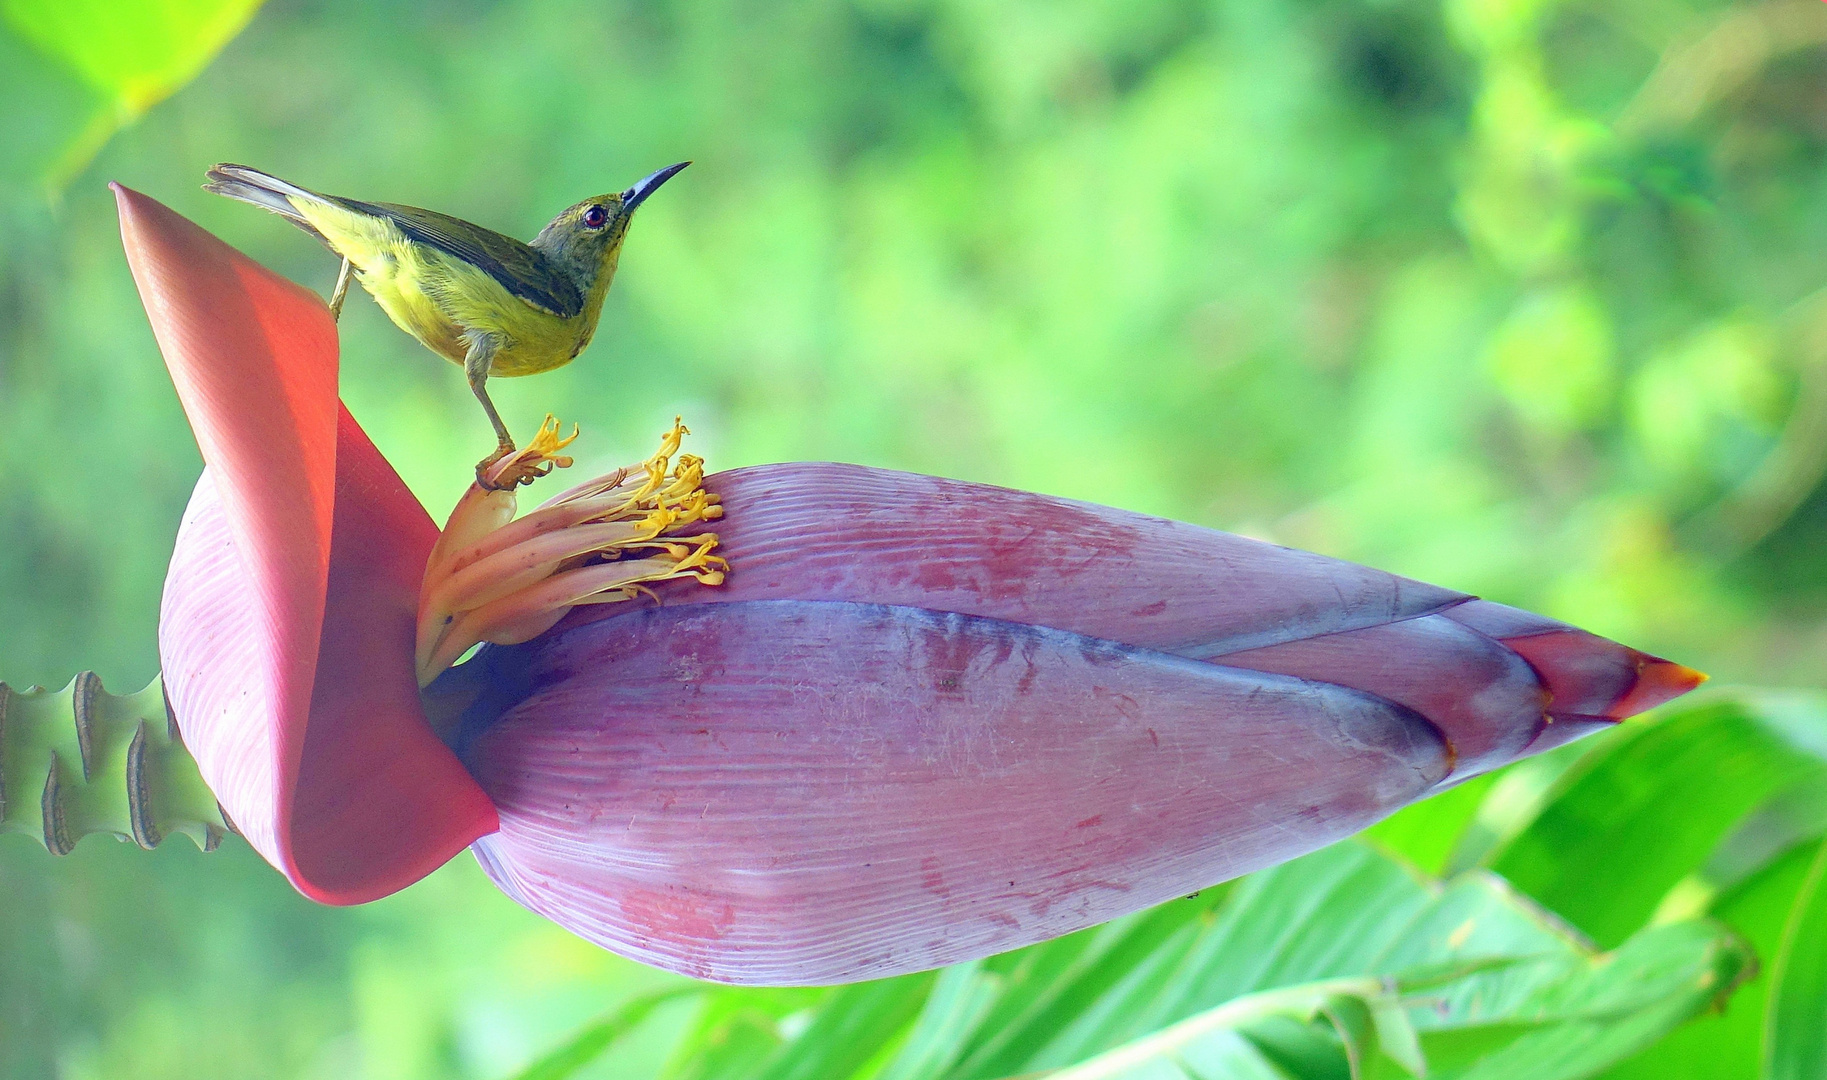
(438, 298)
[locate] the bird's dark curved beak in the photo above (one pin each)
(637, 194)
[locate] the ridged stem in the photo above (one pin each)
(80, 760)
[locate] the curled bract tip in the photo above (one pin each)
(286, 628)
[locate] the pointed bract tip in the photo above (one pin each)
(128, 202)
(1658, 681)
(293, 583)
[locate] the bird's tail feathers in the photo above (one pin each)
(263, 190)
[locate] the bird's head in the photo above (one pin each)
(586, 237)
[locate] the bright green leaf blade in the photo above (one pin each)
(737, 1028)
(1750, 882)
(1729, 1042)
(1240, 978)
(589, 1044)
(1347, 911)
(131, 55)
(1299, 1048)
(137, 53)
(1581, 1018)
(1207, 1046)
(1635, 817)
(1086, 983)
(959, 1001)
(850, 1027)
(1797, 1017)
(1792, 819)
(1514, 799)
(1426, 833)
(1619, 1004)
(1396, 1037)
(1323, 916)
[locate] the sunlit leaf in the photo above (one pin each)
(1797, 1047)
(1574, 1017)
(1730, 1042)
(1644, 810)
(590, 1043)
(1214, 1044)
(1714, 810)
(959, 1000)
(132, 55)
(1338, 961)
(1426, 833)
(846, 1032)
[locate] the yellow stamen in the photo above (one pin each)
(538, 459)
(492, 577)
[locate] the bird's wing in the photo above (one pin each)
(519, 268)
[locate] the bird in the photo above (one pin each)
(479, 298)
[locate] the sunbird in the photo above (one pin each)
(474, 296)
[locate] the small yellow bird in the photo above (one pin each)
(481, 299)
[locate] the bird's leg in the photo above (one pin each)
(340, 292)
(476, 363)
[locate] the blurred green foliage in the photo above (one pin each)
(125, 58)
(1294, 973)
(1518, 296)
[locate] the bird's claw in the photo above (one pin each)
(338, 294)
(486, 467)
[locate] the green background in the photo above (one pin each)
(1515, 296)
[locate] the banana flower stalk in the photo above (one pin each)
(919, 721)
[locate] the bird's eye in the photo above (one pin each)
(595, 217)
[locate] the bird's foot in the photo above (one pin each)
(485, 468)
(340, 293)
(508, 468)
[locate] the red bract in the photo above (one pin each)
(293, 585)
(922, 720)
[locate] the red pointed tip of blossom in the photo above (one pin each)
(286, 629)
(1591, 678)
(1658, 681)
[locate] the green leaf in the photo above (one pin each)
(1729, 1042)
(590, 1043)
(1323, 916)
(1797, 1017)
(1791, 819)
(738, 1027)
(849, 1028)
(1344, 960)
(1644, 810)
(1295, 1047)
(131, 55)
(1426, 833)
(1209, 1044)
(960, 999)
(1600, 1012)
(1736, 799)
(1575, 1014)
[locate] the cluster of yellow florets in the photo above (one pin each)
(497, 578)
